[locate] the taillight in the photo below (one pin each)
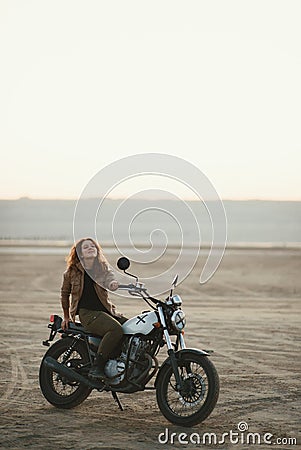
(51, 318)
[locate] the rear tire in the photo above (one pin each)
(200, 390)
(57, 390)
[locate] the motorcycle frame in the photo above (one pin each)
(77, 334)
(172, 349)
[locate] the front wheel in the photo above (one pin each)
(58, 390)
(198, 395)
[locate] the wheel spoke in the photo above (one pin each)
(58, 389)
(198, 394)
(61, 385)
(194, 392)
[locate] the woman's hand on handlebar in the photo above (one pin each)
(113, 285)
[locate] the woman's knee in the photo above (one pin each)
(118, 332)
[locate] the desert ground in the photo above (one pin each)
(248, 313)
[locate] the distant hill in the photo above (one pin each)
(248, 221)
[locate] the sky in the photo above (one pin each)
(86, 83)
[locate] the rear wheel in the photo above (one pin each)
(59, 391)
(198, 396)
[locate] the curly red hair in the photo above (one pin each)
(74, 256)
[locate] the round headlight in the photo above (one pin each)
(178, 320)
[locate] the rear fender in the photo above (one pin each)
(55, 326)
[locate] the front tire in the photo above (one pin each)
(199, 394)
(59, 391)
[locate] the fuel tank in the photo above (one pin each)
(143, 323)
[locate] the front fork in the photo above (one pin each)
(170, 351)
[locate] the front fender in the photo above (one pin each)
(178, 354)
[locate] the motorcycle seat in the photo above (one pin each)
(77, 326)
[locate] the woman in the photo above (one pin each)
(87, 279)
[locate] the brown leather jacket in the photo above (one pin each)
(73, 283)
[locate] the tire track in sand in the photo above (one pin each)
(15, 383)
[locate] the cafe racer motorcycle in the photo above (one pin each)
(186, 383)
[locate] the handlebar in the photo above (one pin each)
(139, 290)
(134, 289)
(126, 286)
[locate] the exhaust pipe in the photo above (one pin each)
(71, 374)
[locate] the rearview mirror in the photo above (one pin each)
(123, 263)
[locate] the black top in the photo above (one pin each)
(89, 298)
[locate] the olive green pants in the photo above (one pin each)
(104, 325)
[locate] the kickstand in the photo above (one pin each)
(115, 397)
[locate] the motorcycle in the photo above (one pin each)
(186, 383)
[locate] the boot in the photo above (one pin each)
(97, 370)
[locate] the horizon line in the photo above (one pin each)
(254, 199)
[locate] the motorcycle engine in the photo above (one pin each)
(115, 369)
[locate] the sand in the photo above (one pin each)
(249, 314)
